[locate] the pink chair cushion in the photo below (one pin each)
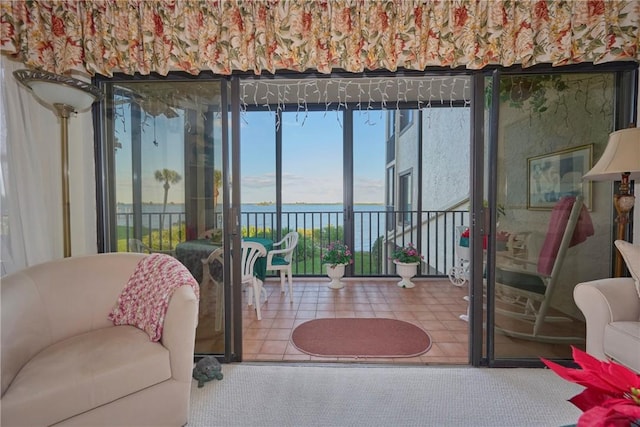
(557, 225)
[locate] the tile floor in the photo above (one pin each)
(434, 305)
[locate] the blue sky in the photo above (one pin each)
(312, 157)
(166, 152)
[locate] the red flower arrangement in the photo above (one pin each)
(612, 394)
(464, 239)
(407, 254)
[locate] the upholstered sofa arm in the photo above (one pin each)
(179, 332)
(602, 302)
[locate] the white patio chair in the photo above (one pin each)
(215, 257)
(251, 251)
(281, 260)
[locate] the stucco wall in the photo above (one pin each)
(445, 157)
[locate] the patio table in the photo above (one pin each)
(191, 253)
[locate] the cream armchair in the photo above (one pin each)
(65, 363)
(611, 308)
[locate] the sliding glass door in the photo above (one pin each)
(552, 229)
(376, 162)
(165, 184)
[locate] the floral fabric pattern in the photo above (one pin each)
(138, 36)
(144, 301)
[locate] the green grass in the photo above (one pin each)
(311, 265)
(175, 232)
(314, 265)
(121, 232)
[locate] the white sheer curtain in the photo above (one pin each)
(31, 230)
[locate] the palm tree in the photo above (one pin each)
(167, 176)
(217, 183)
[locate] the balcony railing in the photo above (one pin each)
(432, 232)
(162, 231)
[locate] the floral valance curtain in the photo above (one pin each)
(354, 35)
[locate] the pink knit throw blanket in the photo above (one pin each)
(144, 301)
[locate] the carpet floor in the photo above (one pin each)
(361, 337)
(373, 395)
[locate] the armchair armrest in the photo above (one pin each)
(279, 243)
(179, 332)
(602, 302)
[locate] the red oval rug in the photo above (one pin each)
(360, 337)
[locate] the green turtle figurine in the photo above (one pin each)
(208, 368)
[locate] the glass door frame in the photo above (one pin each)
(477, 314)
(480, 350)
(233, 294)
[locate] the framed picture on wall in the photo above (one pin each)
(558, 174)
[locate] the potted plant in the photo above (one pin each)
(406, 259)
(612, 393)
(336, 258)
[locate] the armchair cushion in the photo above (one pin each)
(279, 260)
(631, 255)
(116, 359)
(526, 281)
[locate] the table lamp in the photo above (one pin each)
(65, 95)
(620, 161)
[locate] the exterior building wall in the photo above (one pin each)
(445, 162)
(445, 174)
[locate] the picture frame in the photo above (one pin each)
(554, 175)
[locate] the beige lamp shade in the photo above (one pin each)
(621, 155)
(53, 89)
